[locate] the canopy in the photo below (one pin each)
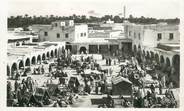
(121, 86)
(119, 79)
(40, 93)
(51, 88)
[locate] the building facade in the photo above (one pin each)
(79, 39)
(160, 43)
(64, 31)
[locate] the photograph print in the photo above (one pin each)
(93, 53)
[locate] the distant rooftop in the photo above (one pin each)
(157, 27)
(14, 52)
(19, 35)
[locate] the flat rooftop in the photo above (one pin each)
(16, 52)
(19, 35)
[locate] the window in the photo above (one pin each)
(139, 36)
(81, 34)
(85, 34)
(23, 43)
(45, 33)
(66, 35)
(130, 33)
(17, 44)
(58, 35)
(134, 35)
(159, 36)
(171, 36)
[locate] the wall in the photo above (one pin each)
(148, 34)
(81, 29)
(115, 34)
(165, 36)
(134, 31)
(52, 35)
(149, 38)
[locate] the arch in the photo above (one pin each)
(162, 59)
(13, 69)
(147, 54)
(52, 53)
(48, 55)
(176, 71)
(152, 55)
(83, 49)
(33, 60)
(156, 58)
(176, 61)
(21, 64)
(56, 53)
(68, 46)
(39, 59)
(135, 48)
(168, 62)
(43, 56)
(168, 66)
(139, 51)
(8, 70)
(139, 47)
(27, 63)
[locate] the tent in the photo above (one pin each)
(52, 88)
(41, 93)
(121, 86)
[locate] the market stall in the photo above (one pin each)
(121, 86)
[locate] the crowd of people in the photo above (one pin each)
(67, 89)
(144, 92)
(20, 91)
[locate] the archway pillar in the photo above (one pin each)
(12, 71)
(8, 73)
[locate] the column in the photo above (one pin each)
(98, 48)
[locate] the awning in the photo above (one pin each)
(88, 71)
(119, 79)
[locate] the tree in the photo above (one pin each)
(26, 20)
(83, 19)
(117, 19)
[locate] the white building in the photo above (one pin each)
(64, 31)
(22, 57)
(78, 39)
(21, 38)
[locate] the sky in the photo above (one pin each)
(137, 8)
